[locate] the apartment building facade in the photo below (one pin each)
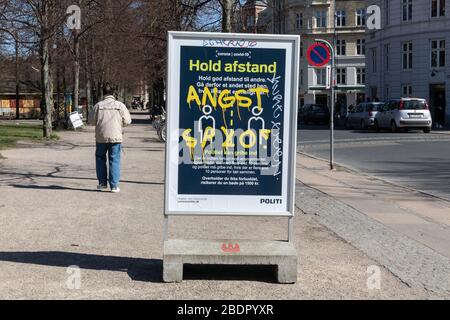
(250, 15)
(410, 55)
(314, 19)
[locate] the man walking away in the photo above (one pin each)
(109, 117)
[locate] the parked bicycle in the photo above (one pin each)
(160, 125)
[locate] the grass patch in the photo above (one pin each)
(11, 133)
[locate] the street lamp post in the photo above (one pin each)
(332, 82)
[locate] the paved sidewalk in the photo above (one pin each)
(408, 232)
(51, 218)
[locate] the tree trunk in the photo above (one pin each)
(16, 39)
(58, 93)
(47, 87)
(227, 13)
(64, 91)
(88, 83)
(100, 90)
(76, 71)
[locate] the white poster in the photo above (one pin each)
(76, 121)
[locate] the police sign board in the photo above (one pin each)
(232, 124)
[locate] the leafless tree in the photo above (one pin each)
(39, 21)
(121, 42)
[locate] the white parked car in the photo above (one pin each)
(404, 113)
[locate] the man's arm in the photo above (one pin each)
(92, 120)
(126, 116)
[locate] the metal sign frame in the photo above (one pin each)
(173, 85)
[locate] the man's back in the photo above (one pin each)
(110, 116)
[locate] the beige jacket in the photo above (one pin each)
(109, 117)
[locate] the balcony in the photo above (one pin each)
(308, 3)
(319, 2)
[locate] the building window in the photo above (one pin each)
(386, 93)
(437, 8)
(387, 16)
(340, 18)
(374, 60)
(340, 47)
(387, 62)
(407, 90)
(407, 10)
(280, 21)
(301, 49)
(374, 93)
(437, 53)
(407, 55)
(361, 47)
(299, 20)
(361, 17)
(301, 77)
(321, 77)
(360, 75)
(341, 75)
(321, 19)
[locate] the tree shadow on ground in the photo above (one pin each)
(58, 170)
(52, 188)
(152, 140)
(138, 269)
(141, 121)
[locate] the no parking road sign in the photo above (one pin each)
(318, 55)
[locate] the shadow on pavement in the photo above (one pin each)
(410, 131)
(138, 269)
(230, 273)
(51, 188)
(32, 176)
(142, 121)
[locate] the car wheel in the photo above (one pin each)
(393, 127)
(427, 130)
(363, 125)
(377, 126)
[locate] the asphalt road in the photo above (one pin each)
(413, 159)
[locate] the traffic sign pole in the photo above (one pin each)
(333, 83)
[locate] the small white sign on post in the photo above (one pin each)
(76, 121)
(329, 75)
